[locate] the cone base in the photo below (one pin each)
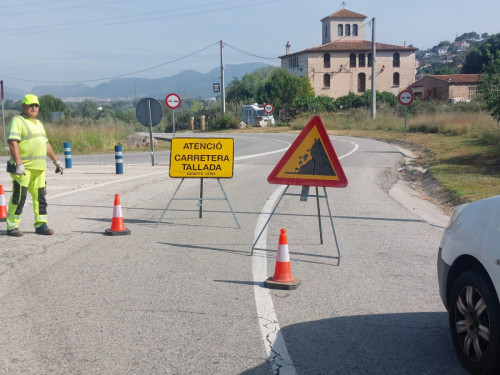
(269, 283)
(110, 232)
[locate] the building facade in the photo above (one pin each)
(453, 87)
(343, 63)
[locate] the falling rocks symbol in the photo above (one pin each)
(318, 163)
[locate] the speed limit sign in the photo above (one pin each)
(268, 108)
(405, 97)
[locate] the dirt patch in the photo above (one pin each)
(420, 179)
(135, 140)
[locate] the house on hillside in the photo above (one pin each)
(343, 62)
(442, 51)
(453, 87)
(462, 45)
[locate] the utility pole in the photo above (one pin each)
(374, 91)
(3, 119)
(222, 90)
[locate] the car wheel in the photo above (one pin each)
(474, 316)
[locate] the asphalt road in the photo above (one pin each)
(186, 296)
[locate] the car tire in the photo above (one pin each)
(474, 317)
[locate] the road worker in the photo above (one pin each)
(29, 147)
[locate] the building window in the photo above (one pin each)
(326, 80)
(395, 79)
(395, 60)
(326, 31)
(361, 82)
(370, 60)
(326, 60)
(347, 30)
(355, 30)
(362, 62)
(352, 60)
(341, 30)
(472, 92)
(293, 62)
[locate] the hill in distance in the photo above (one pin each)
(187, 84)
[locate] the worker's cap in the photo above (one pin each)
(30, 99)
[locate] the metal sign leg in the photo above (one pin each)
(171, 199)
(333, 227)
(269, 218)
(200, 202)
(319, 217)
(228, 203)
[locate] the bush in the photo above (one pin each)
(224, 122)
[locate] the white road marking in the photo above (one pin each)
(274, 342)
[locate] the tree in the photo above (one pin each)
(88, 109)
(237, 92)
(446, 68)
(246, 90)
(444, 43)
(489, 87)
(48, 104)
(481, 56)
(282, 89)
(468, 36)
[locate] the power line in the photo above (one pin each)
(142, 70)
(113, 77)
(250, 53)
(49, 10)
(61, 27)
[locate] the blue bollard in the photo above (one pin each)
(119, 159)
(67, 154)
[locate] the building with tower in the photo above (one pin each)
(343, 62)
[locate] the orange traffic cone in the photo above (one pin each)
(3, 207)
(282, 278)
(117, 225)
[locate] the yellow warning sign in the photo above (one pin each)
(202, 158)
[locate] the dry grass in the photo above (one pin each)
(460, 149)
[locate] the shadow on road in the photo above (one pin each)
(412, 343)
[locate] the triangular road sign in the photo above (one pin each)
(310, 160)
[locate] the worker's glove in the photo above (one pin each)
(59, 167)
(20, 170)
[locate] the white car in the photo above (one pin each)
(469, 283)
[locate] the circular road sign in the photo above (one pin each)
(268, 108)
(173, 101)
(149, 109)
(405, 97)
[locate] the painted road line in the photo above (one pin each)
(274, 342)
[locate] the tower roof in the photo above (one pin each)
(344, 13)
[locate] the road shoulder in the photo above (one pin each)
(419, 195)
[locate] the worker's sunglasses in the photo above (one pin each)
(34, 105)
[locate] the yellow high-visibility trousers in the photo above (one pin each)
(34, 183)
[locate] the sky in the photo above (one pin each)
(54, 42)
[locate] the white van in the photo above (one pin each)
(254, 114)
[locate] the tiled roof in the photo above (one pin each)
(353, 46)
(458, 78)
(344, 13)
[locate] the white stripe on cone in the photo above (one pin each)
(283, 255)
(117, 211)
